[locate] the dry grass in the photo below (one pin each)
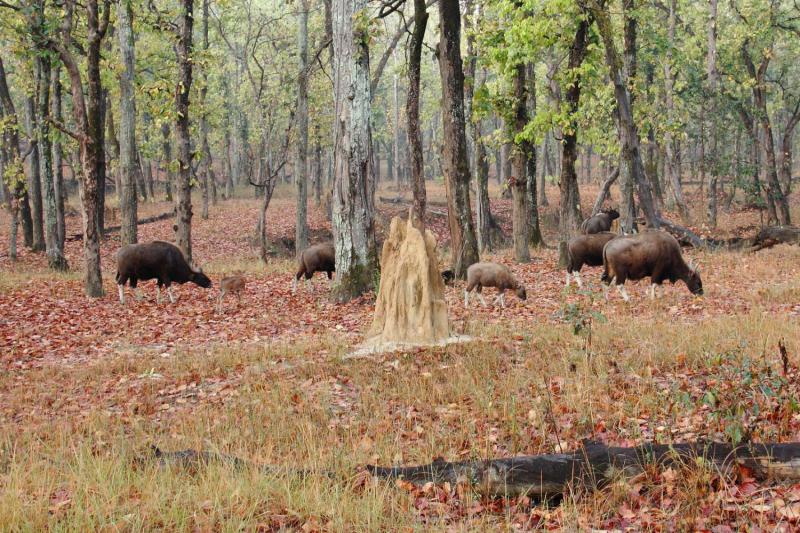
(70, 433)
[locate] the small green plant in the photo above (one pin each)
(581, 318)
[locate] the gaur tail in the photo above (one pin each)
(570, 262)
(606, 274)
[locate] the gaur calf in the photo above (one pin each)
(482, 275)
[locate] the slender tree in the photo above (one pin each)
(463, 243)
(53, 249)
(412, 109)
(205, 160)
(58, 160)
(127, 123)
(34, 168)
(301, 180)
(519, 180)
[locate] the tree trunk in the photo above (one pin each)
(205, 159)
(127, 124)
(54, 252)
(671, 170)
(519, 179)
(570, 217)
(58, 162)
(34, 172)
(166, 161)
(484, 216)
(396, 129)
(604, 190)
(412, 109)
(786, 151)
(547, 170)
(713, 174)
(14, 175)
(301, 226)
(631, 152)
(354, 186)
(534, 230)
(318, 168)
(463, 244)
(183, 237)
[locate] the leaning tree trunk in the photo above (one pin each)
(318, 167)
(183, 237)
(53, 251)
(127, 124)
(412, 109)
(58, 162)
(631, 151)
(463, 244)
(301, 181)
(570, 217)
(354, 187)
(34, 172)
(519, 183)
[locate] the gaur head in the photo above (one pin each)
(198, 278)
(520, 292)
(612, 213)
(694, 283)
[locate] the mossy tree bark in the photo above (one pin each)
(353, 214)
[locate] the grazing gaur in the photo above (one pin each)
(158, 260)
(316, 258)
(586, 250)
(229, 285)
(600, 222)
(650, 253)
(482, 275)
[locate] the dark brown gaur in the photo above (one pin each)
(600, 222)
(586, 250)
(316, 258)
(650, 253)
(159, 260)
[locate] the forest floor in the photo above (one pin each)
(87, 385)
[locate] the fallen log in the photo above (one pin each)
(404, 201)
(766, 238)
(149, 220)
(593, 464)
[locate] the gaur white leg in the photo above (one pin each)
(605, 290)
(623, 292)
(466, 299)
(577, 276)
(308, 284)
(138, 294)
(121, 298)
(661, 291)
(567, 284)
(158, 295)
(503, 299)
(652, 291)
(171, 296)
(294, 285)
(330, 284)
(482, 300)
